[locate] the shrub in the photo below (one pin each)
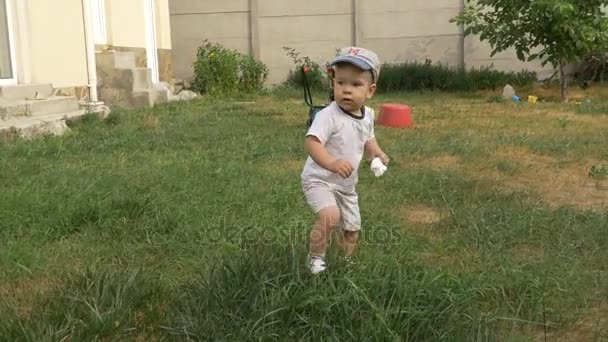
(317, 77)
(252, 75)
(417, 76)
(221, 70)
(592, 68)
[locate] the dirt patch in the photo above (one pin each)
(592, 327)
(523, 154)
(432, 124)
(442, 162)
(150, 122)
(420, 218)
(568, 186)
(463, 259)
(423, 215)
(558, 183)
(445, 161)
(552, 93)
(525, 253)
(584, 118)
(23, 292)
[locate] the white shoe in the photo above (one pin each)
(316, 264)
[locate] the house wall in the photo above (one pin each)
(127, 32)
(397, 30)
(126, 23)
(163, 25)
(56, 49)
(57, 53)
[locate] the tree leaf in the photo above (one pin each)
(564, 30)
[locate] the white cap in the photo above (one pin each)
(361, 58)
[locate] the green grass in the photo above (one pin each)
(187, 221)
(593, 108)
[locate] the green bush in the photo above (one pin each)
(426, 76)
(317, 77)
(252, 75)
(592, 68)
(416, 76)
(221, 70)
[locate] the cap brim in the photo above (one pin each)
(352, 60)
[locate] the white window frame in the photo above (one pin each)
(11, 45)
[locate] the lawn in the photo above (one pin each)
(187, 222)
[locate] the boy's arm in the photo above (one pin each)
(373, 150)
(319, 154)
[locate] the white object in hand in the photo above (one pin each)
(378, 168)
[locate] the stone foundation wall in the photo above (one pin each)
(165, 64)
(81, 92)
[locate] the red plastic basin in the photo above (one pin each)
(395, 115)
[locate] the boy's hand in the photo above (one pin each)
(341, 167)
(374, 151)
(384, 158)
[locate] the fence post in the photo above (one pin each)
(356, 23)
(461, 43)
(254, 39)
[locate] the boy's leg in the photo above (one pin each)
(349, 242)
(351, 220)
(327, 218)
(322, 200)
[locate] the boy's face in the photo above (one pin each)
(352, 87)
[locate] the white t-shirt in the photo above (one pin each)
(344, 136)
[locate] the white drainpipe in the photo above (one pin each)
(90, 49)
(23, 44)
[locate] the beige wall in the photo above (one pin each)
(163, 24)
(477, 54)
(193, 21)
(397, 30)
(316, 28)
(57, 52)
(126, 23)
(410, 31)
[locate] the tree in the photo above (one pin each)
(558, 32)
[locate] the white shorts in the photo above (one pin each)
(321, 195)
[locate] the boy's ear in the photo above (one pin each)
(372, 90)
